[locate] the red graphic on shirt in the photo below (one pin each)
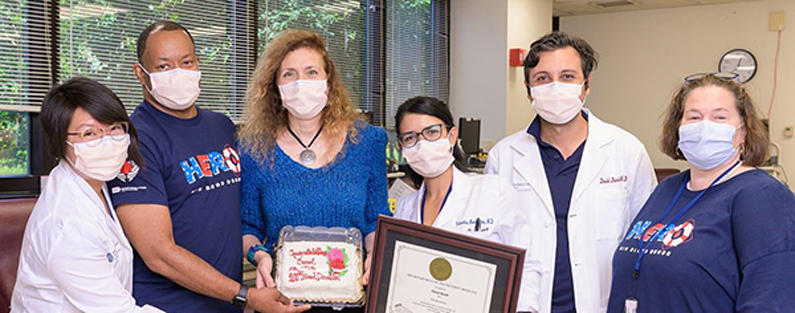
(128, 171)
(680, 234)
(652, 231)
(232, 159)
(211, 164)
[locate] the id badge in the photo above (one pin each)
(630, 305)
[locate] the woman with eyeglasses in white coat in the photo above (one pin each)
(74, 256)
(482, 206)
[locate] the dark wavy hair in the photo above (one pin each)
(438, 109)
(559, 40)
(101, 103)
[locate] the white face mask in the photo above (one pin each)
(102, 161)
(556, 102)
(707, 144)
(304, 99)
(176, 89)
(430, 158)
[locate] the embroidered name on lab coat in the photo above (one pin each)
(476, 224)
(613, 180)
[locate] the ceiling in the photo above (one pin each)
(582, 7)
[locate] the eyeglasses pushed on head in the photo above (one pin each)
(722, 75)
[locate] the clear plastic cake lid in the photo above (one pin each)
(320, 266)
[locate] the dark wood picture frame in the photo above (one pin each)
(509, 260)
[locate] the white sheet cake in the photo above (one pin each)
(319, 271)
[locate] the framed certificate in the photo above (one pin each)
(420, 269)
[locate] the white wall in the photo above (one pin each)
(527, 21)
(481, 83)
(644, 56)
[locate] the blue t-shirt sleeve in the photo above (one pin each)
(147, 186)
(377, 202)
(250, 197)
(763, 224)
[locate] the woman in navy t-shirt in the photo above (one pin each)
(719, 237)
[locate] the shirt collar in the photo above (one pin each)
(148, 106)
(535, 127)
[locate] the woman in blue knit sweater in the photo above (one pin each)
(306, 159)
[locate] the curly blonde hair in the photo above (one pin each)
(266, 116)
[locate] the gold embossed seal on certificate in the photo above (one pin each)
(440, 269)
(418, 268)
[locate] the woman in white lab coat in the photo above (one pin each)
(74, 255)
(482, 206)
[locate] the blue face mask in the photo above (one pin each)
(706, 144)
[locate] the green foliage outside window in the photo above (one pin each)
(97, 40)
(342, 24)
(13, 125)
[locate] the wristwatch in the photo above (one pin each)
(241, 298)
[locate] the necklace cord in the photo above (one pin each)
(299, 139)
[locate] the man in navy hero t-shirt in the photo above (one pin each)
(181, 209)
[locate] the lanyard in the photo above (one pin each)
(636, 270)
(422, 206)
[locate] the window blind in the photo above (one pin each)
(347, 29)
(26, 49)
(98, 40)
(416, 52)
(387, 52)
(26, 45)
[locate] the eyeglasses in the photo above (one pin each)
(92, 136)
(430, 133)
(722, 75)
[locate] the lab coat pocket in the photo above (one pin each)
(611, 207)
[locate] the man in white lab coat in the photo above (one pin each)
(582, 180)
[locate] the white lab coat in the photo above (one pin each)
(74, 258)
(489, 198)
(614, 180)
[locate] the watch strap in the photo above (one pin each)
(241, 299)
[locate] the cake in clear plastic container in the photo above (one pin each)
(321, 266)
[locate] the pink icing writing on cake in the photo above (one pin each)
(319, 270)
(306, 262)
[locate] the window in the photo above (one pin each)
(416, 53)
(412, 62)
(14, 140)
(344, 26)
(98, 40)
(25, 77)
(387, 51)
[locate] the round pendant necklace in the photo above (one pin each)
(307, 156)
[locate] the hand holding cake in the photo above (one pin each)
(368, 260)
(271, 300)
(264, 267)
(308, 160)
